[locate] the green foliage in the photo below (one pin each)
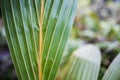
(21, 20)
(57, 24)
(85, 64)
(21, 26)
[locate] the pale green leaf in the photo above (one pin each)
(113, 72)
(85, 64)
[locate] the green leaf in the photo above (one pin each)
(22, 31)
(57, 23)
(21, 20)
(85, 64)
(113, 72)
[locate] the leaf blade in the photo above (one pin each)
(18, 30)
(113, 72)
(89, 58)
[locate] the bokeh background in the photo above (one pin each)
(96, 22)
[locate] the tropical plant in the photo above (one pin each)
(37, 32)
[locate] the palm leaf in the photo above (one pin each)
(56, 30)
(113, 72)
(85, 64)
(23, 25)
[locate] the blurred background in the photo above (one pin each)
(7, 71)
(96, 22)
